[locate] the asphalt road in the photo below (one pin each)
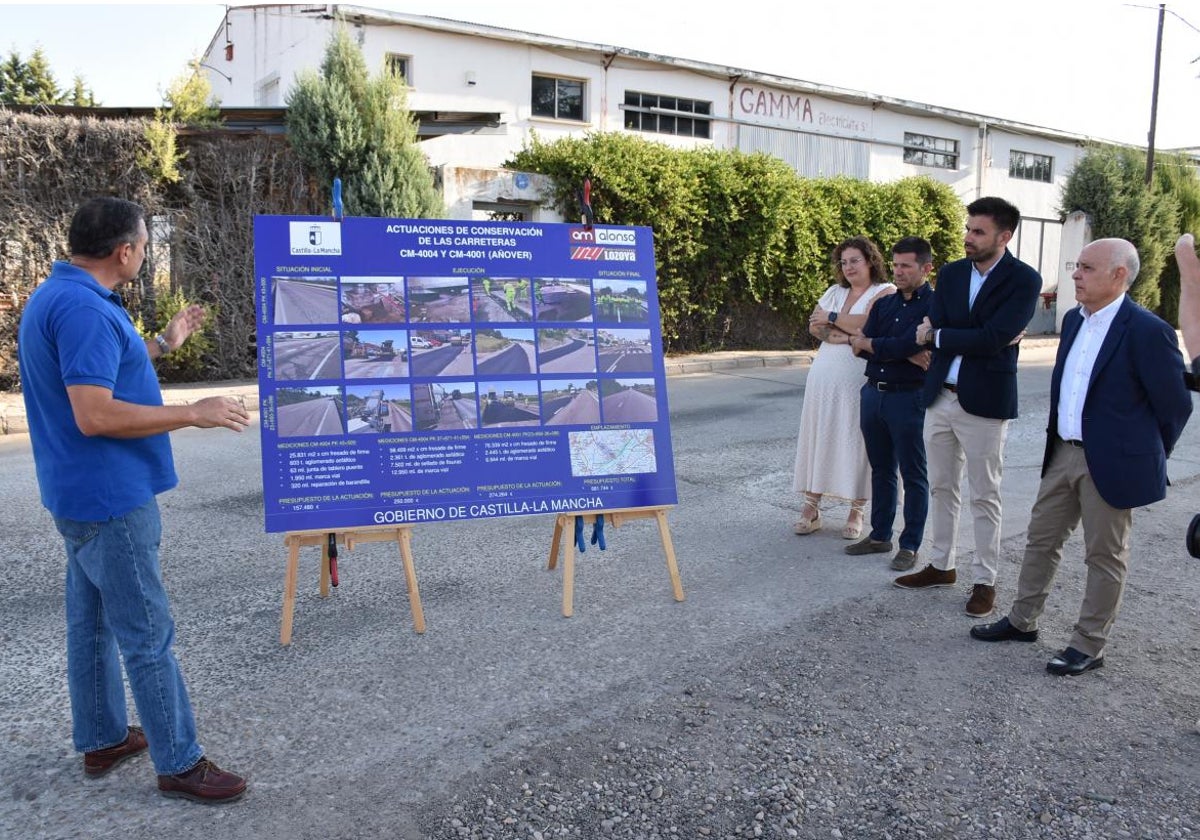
(516, 358)
(574, 356)
(581, 408)
(297, 302)
(309, 358)
(361, 728)
(313, 417)
(447, 359)
(630, 406)
(630, 360)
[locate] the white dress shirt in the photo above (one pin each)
(977, 281)
(1077, 368)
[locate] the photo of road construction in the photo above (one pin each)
(563, 299)
(500, 351)
(624, 351)
(306, 355)
(304, 300)
(439, 299)
(570, 402)
(440, 406)
(441, 352)
(378, 409)
(373, 300)
(375, 354)
(500, 299)
(622, 301)
(309, 412)
(566, 350)
(509, 404)
(628, 401)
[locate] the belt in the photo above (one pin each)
(1078, 444)
(893, 386)
(952, 388)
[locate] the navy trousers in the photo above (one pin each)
(892, 424)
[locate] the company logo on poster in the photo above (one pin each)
(604, 236)
(609, 254)
(316, 239)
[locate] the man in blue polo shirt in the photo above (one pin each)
(99, 432)
(890, 411)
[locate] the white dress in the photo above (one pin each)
(830, 456)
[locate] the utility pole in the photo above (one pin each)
(1162, 10)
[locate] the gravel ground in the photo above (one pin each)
(883, 719)
(795, 693)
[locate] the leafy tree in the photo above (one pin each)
(344, 123)
(188, 101)
(1108, 183)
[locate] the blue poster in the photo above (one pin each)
(422, 370)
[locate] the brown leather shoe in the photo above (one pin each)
(927, 578)
(982, 600)
(99, 762)
(205, 782)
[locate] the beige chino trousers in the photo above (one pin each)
(954, 438)
(1065, 496)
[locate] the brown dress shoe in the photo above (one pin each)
(927, 578)
(982, 600)
(99, 762)
(205, 782)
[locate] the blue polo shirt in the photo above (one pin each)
(76, 332)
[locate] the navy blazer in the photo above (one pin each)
(1135, 408)
(987, 378)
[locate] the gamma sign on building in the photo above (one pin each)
(427, 370)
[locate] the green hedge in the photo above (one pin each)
(742, 242)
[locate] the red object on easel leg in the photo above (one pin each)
(333, 573)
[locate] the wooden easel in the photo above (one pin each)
(616, 516)
(401, 534)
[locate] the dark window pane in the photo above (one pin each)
(666, 125)
(632, 97)
(649, 122)
(701, 129)
(703, 107)
(670, 103)
(685, 126)
(543, 96)
(570, 100)
(631, 120)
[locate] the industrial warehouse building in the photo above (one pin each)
(479, 92)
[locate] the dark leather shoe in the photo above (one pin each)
(1072, 663)
(1002, 631)
(868, 546)
(205, 782)
(926, 578)
(99, 762)
(982, 600)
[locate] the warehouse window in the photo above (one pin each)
(1030, 167)
(560, 99)
(667, 114)
(400, 65)
(924, 150)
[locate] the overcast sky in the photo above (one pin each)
(1084, 66)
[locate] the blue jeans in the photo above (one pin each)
(892, 424)
(116, 601)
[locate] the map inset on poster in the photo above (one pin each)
(431, 370)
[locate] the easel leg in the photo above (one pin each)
(664, 532)
(289, 590)
(556, 541)
(404, 538)
(324, 568)
(568, 605)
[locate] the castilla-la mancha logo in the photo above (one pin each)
(317, 239)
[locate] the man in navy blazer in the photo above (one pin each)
(1118, 404)
(979, 311)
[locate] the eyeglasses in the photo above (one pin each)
(851, 261)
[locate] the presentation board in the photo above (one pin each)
(418, 370)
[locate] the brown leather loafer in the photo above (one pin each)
(982, 600)
(205, 782)
(99, 762)
(927, 578)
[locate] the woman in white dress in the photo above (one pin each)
(831, 459)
